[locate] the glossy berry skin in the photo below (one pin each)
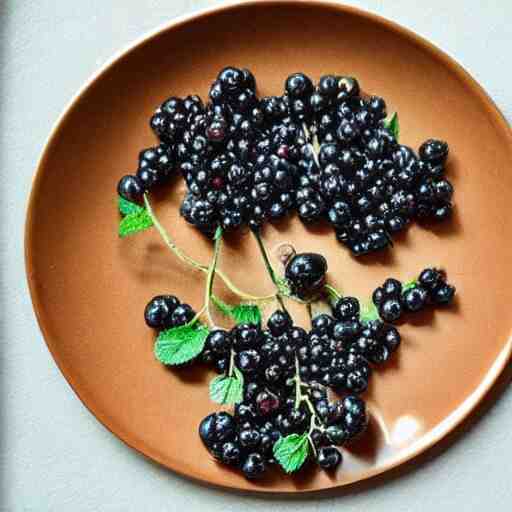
(298, 85)
(328, 458)
(306, 273)
(443, 294)
(182, 315)
(130, 188)
(415, 299)
(216, 427)
(430, 278)
(254, 466)
(279, 322)
(219, 341)
(159, 311)
(434, 151)
(231, 453)
(391, 310)
(346, 307)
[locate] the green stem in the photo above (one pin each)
(231, 363)
(332, 292)
(265, 257)
(210, 277)
(167, 239)
(270, 269)
(313, 144)
(195, 264)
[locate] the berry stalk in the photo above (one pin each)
(195, 264)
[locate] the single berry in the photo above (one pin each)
(415, 299)
(159, 311)
(329, 457)
(130, 188)
(391, 310)
(306, 273)
(254, 466)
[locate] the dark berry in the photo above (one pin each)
(267, 403)
(336, 435)
(434, 151)
(249, 438)
(130, 188)
(443, 294)
(217, 427)
(182, 315)
(329, 457)
(346, 307)
(430, 278)
(231, 453)
(159, 311)
(415, 299)
(254, 466)
(298, 85)
(219, 341)
(322, 324)
(390, 310)
(279, 322)
(306, 273)
(248, 360)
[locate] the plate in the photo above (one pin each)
(89, 287)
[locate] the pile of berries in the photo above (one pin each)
(324, 150)
(269, 411)
(286, 372)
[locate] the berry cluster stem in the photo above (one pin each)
(195, 264)
(211, 276)
(270, 269)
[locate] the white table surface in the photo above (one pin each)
(54, 455)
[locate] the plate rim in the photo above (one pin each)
(465, 409)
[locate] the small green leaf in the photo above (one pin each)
(180, 344)
(369, 312)
(291, 451)
(126, 207)
(246, 314)
(135, 222)
(393, 126)
(227, 390)
(241, 313)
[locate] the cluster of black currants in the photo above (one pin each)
(362, 180)
(323, 150)
(393, 299)
(166, 311)
(270, 409)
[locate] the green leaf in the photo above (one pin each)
(291, 451)
(135, 222)
(246, 314)
(126, 207)
(393, 126)
(180, 344)
(241, 313)
(228, 390)
(369, 312)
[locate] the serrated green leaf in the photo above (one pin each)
(135, 222)
(227, 390)
(127, 207)
(369, 312)
(246, 314)
(180, 344)
(291, 451)
(393, 126)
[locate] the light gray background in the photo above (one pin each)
(54, 455)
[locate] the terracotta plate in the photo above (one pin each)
(89, 288)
